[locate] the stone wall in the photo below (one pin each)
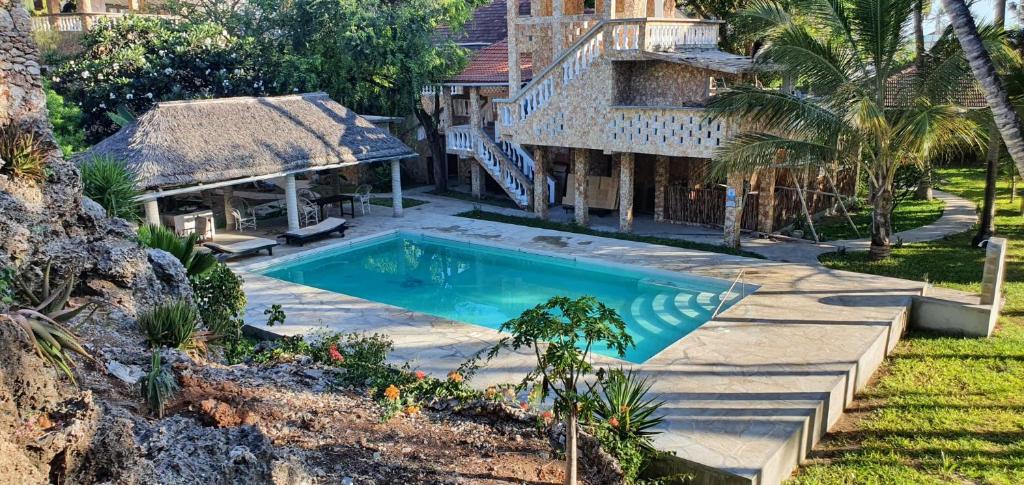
(654, 83)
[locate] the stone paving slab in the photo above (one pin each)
(748, 393)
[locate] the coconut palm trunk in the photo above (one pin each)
(987, 227)
(1006, 119)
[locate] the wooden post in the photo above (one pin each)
(229, 216)
(807, 213)
(626, 168)
(766, 201)
(581, 171)
(540, 182)
(661, 171)
(396, 187)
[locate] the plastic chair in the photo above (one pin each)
(245, 217)
(309, 211)
(362, 197)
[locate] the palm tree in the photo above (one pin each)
(846, 54)
(1006, 119)
(987, 226)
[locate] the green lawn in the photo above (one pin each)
(909, 214)
(577, 229)
(406, 202)
(944, 410)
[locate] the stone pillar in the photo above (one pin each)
(291, 200)
(515, 76)
(766, 201)
(476, 179)
(152, 212)
(626, 165)
(540, 181)
(396, 187)
(661, 170)
(995, 272)
(733, 210)
(475, 118)
(134, 5)
(581, 170)
(229, 217)
(557, 28)
(446, 107)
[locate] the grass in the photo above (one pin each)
(945, 410)
(577, 229)
(406, 202)
(909, 214)
(486, 200)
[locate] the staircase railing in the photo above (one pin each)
(511, 177)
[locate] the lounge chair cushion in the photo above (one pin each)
(325, 227)
(242, 247)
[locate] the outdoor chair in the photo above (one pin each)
(362, 197)
(309, 212)
(245, 216)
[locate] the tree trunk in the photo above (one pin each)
(881, 227)
(1006, 118)
(437, 149)
(987, 226)
(571, 449)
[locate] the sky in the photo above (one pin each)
(983, 10)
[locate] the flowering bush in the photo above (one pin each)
(136, 62)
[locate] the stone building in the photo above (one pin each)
(615, 92)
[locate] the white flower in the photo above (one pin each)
(112, 96)
(129, 96)
(116, 65)
(162, 53)
(56, 79)
(99, 76)
(207, 41)
(85, 74)
(103, 105)
(168, 71)
(207, 72)
(149, 95)
(226, 83)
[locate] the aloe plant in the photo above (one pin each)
(158, 385)
(42, 314)
(171, 324)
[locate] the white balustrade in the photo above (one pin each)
(580, 59)
(459, 138)
(626, 36)
(666, 36)
(81, 22)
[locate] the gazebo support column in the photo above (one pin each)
(581, 169)
(229, 216)
(291, 200)
(540, 182)
(396, 187)
(626, 165)
(152, 212)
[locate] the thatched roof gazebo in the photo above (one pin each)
(188, 146)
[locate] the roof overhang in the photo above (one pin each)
(710, 59)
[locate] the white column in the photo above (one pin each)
(396, 187)
(229, 218)
(291, 199)
(152, 212)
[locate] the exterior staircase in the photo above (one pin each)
(506, 162)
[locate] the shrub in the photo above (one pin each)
(219, 297)
(183, 248)
(112, 185)
(171, 324)
(66, 119)
(622, 400)
(158, 385)
(23, 154)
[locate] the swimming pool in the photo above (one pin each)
(487, 285)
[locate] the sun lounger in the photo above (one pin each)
(242, 248)
(316, 231)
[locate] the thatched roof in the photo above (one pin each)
(188, 143)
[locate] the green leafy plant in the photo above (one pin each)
(41, 310)
(23, 154)
(158, 385)
(275, 315)
(623, 403)
(183, 248)
(171, 324)
(66, 119)
(112, 185)
(220, 299)
(562, 333)
(630, 453)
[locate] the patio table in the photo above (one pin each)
(339, 199)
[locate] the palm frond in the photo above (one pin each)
(879, 27)
(931, 129)
(782, 112)
(751, 151)
(823, 65)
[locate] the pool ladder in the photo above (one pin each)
(722, 297)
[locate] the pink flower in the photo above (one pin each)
(613, 421)
(420, 375)
(335, 355)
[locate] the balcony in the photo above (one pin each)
(79, 22)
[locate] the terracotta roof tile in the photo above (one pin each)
(488, 25)
(490, 65)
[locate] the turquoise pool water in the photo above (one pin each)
(487, 286)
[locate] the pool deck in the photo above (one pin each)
(748, 393)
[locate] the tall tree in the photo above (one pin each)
(924, 186)
(987, 225)
(1006, 118)
(846, 58)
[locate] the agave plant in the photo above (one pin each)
(112, 185)
(158, 385)
(43, 315)
(183, 248)
(23, 154)
(623, 402)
